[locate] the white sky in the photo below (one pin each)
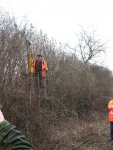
(60, 19)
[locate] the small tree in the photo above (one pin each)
(88, 46)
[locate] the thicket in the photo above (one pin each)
(74, 88)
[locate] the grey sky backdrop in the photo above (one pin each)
(60, 19)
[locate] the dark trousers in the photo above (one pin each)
(41, 83)
(111, 130)
(39, 80)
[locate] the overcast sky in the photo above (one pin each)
(60, 19)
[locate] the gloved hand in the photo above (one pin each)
(1, 117)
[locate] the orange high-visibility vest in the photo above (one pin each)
(110, 107)
(44, 67)
(33, 66)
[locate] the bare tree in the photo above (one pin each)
(89, 47)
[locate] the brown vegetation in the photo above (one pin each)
(76, 90)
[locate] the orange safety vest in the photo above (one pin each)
(110, 107)
(44, 67)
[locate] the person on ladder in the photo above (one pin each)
(41, 68)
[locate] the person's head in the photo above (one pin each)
(39, 56)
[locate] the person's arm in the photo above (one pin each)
(11, 138)
(46, 66)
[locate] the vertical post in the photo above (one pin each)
(30, 59)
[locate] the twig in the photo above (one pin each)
(88, 139)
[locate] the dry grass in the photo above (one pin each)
(81, 135)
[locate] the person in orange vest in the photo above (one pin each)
(41, 68)
(110, 117)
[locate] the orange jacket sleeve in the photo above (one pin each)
(44, 66)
